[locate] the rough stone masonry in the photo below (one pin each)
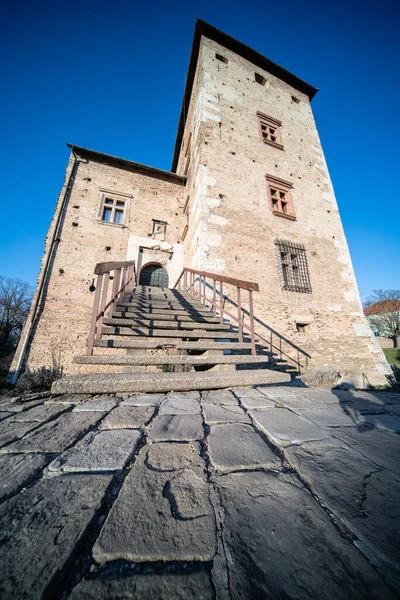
(237, 193)
(275, 492)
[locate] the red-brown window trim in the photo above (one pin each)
(280, 197)
(186, 213)
(270, 128)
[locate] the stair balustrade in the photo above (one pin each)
(197, 284)
(121, 274)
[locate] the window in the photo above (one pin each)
(159, 229)
(221, 58)
(270, 130)
(260, 79)
(186, 213)
(112, 209)
(187, 155)
(280, 197)
(292, 261)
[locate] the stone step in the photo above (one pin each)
(165, 306)
(153, 324)
(104, 383)
(144, 332)
(161, 343)
(147, 359)
(163, 309)
(164, 316)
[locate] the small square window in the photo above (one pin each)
(260, 79)
(112, 210)
(159, 230)
(294, 268)
(270, 130)
(280, 197)
(221, 58)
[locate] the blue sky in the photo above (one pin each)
(110, 76)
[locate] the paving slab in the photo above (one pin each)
(195, 586)
(128, 417)
(380, 446)
(160, 515)
(17, 470)
(327, 417)
(297, 402)
(5, 415)
(214, 413)
(41, 527)
(10, 432)
(96, 404)
(17, 407)
(386, 422)
(143, 400)
(163, 456)
(257, 402)
(282, 544)
(321, 396)
(98, 451)
(285, 427)
(68, 399)
(39, 414)
(277, 392)
(176, 428)
(55, 436)
(236, 446)
(219, 397)
(180, 405)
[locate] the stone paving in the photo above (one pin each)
(275, 492)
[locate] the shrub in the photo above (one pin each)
(315, 376)
(394, 379)
(39, 380)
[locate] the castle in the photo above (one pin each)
(248, 196)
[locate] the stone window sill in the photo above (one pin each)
(274, 144)
(284, 215)
(119, 225)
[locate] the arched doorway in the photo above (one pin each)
(154, 275)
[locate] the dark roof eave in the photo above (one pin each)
(203, 28)
(153, 170)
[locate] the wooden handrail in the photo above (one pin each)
(245, 285)
(124, 274)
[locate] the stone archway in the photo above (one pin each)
(154, 275)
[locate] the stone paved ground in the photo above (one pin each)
(276, 492)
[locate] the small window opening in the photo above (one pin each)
(296, 100)
(221, 58)
(159, 229)
(301, 327)
(260, 79)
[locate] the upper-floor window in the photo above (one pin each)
(112, 209)
(221, 58)
(270, 130)
(159, 229)
(260, 78)
(280, 197)
(292, 260)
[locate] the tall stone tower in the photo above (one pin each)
(261, 205)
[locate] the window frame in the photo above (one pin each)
(186, 214)
(163, 233)
(115, 198)
(293, 266)
(276, 202)
(270, 123)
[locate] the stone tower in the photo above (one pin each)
(249, 196)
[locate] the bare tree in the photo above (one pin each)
(383, 311)
(15, 300)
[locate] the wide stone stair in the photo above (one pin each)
(163, 340)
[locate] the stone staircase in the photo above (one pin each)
(180, 344)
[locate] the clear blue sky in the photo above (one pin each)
(110, 76)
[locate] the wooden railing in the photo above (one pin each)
(209, 288)
(198, 283)
(121, 274)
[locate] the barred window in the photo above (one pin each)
(292, 260)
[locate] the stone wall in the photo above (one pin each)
(84, 240)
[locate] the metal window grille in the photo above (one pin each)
(294, 267)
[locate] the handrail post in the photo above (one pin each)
(239, 315)
(102, 305)
(204, 290)
(185, 281)
(114, 291)
(251, 310)
(214, 298)
(221, 310)
(95, 312)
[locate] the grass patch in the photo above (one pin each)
(392, 356)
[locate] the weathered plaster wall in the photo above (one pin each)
(85, 240)
(233, 229)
